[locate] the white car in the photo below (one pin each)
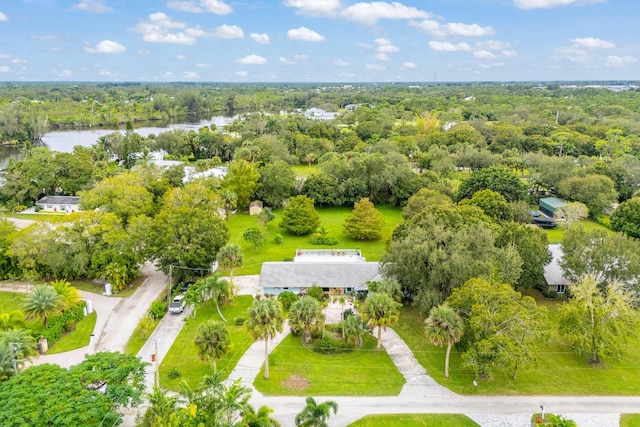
(177, 305)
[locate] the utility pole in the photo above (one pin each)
(169, 286)
(14, 361)
(155, 343)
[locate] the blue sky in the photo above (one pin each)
(319, 40)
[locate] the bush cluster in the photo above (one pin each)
(287, 298)
(330, 345)
(60, 324)
(158, 309)
(327, 241)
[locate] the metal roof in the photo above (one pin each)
(60, 200)
(325, 275)
(553, 274)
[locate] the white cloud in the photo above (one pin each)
(4, 56)
(228, 32)
(620, 61)
(449, 47)
(106, 46)
(49, 38)
(484, 54)
(3, 17)
(301, 57)
(364, 45)
(408, 65)
(509, 53)
(190, 75)
(159, 30)
(181, 57)
(385, 46)
(62, 73)
(252, 60)
(381, 57)
(493, 45)
(201, 6)
(201, 65)
(549, 4)
(374, 67)
(4, 69)
(325, 8)
(144, 52)
(466, 30)
(241, 73)
(286, 61)
(305, 34)
(341, 63)
(260, 38)
(593, 43)
(370, 13)
(92, 6)
(453, 29)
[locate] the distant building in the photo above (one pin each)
(190, 173)
(335, 270)
(66, 204)
(319, 114)
(255, 207)
(549, 205)
(553, 274)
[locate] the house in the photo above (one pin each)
(553, 274)
(548, 205)
(319, 114)
(336, 271)
(255, 207)
(190, 173)
(67, 204)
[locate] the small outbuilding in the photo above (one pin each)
(64, 204)
(548, 205)
(255, 207)
(553, 274)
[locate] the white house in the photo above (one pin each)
(553, 274)
(66, 204)
(319, 114)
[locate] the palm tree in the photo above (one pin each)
(70, 295)
(11, 320)
(42, 302)
(161, 406)
(216, 289)
(342, 302)
(212, 341)
(261, 418)
(354, 328)
(380, 310)
(444, 326)
(16, 343)
(264, 322)
(314, 414)
(230, 258)
(304, 315)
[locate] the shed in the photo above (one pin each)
(553, 274)
(548, 205)
(255, 207)
(66, 204)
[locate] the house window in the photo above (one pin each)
(560, 289)
(286, 289)
(49, 206)
(63, 207)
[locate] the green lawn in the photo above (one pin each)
(304, 170)
(10, 301)
(555, 235)
(332, 218)
(560, 371)
(136, 341)
(629, 420)
(78, 338)
(184, 356)
(401, 420)
(91, 286)
(296, 370)
(49, 217)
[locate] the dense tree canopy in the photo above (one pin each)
(498, 179)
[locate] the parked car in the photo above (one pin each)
(543, 222)
(177, 305)
(534, 213)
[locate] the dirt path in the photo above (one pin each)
(124, 318)
(20, 223)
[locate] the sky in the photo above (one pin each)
(319, 40)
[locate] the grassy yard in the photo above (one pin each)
(184, 356)
(136, 340)
(555, 235)
(49, 217)
(89, 285)
(629, 420)
(10, 301)
(78, 338)
(331, 218)
(304, 170)
(296, 370)
(560, 371)
(401, 420)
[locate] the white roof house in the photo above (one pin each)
(553, 273)
(190, 173)
(319, 114)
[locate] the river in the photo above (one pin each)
(65, 140)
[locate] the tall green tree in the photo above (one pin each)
(257, 236)
(365, 222)
(316, 414)
(626, 218)
(425, 197)
(598, 321)
(498, 179)
(212, 341)
(381, 311)
(492, 203)
(243, 180)
(596, 191)
(70, 297)
(42, 302)
(354, 328)
(305, 316)
(264, 322)
(230, 258)
(300, 217)
(502, 328)
(444, 326)
(531, 244)
(277, 183)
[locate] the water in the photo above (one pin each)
(65, 140)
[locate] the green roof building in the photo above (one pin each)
(548, 205)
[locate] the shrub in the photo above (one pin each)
(329, 345)
(287, 299)
(278, 239)
(348, 312)
(316, 292)
(239, 321)
(157, 309)
(174, 373)
(60, 324)
(327, 241)
(146, 326)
